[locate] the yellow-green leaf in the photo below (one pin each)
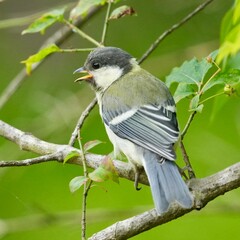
(45, 21)
(71, 155)
(39, 56)
(91, 144)
(77, 182)
(83, 6)
(106, 171)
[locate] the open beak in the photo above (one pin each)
(86, 77)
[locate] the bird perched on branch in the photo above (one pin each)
(139, 114)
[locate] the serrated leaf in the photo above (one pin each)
(213, 55)
(122, 11)
(39, 56)
(190, 72)
(77, 182)
(83, 6)
(45, 21)
(71, 156)
(183, 90)
(91, 144)
(230, 76)
(106, 171)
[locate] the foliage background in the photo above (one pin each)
(49, 104)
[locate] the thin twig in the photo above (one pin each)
(81, 33)
(213, 96)
(81, 120)
(75, 50)
(105, 26)
(86, 188)
(32, 161)
(170, 30)
(189, 168)
(188, 124)
(210, 79)
(58, 38)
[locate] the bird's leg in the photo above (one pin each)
(181, 171)
(137, 173)
(137, 169)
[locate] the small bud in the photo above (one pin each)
(209, 59)
(228, 89)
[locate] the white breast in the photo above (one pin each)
(131, 151)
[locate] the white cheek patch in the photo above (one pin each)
(105, 76)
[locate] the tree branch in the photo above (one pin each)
(174, 27)
(28, 142)
(81, 120)
(204, 190)
(31, 161)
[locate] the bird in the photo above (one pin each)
(139, 115)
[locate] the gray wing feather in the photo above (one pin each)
(152, 127)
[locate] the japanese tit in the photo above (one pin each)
(139, 115)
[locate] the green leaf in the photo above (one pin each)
(190, 72)
(230, 76)
(122, 11)
(72, 155)
(236, 14)
(77, 182)
(226, 24)
(194, 104)
(39, 56)
(230, 33)
(45, 21)
(106, 171)
(83, 6)
(91, 144)
(183, 90)
(231, 45)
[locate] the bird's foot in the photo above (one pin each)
(137, 173)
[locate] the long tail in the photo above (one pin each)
(166, 183)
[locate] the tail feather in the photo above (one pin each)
(166, 183)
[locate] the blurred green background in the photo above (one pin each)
(35, 202)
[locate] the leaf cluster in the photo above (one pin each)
(106, 170)
(195, 78)
(41, 24)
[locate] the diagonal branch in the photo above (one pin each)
(205, 189)
(173, 28)
(81, 120)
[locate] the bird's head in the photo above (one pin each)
(105, 65)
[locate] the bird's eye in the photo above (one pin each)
(96, 65)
